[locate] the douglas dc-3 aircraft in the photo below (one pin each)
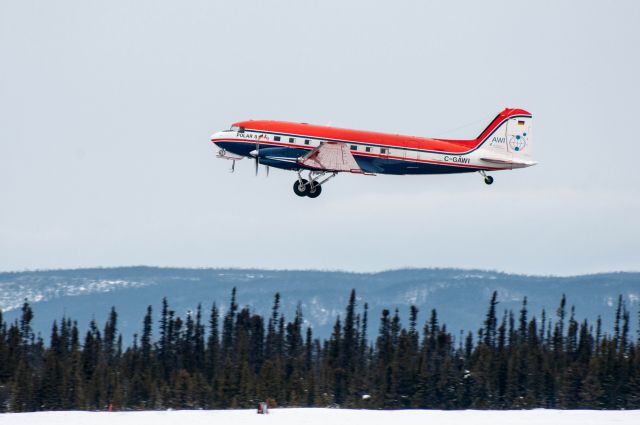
(325, 151)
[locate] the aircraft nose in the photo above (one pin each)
(214, 138)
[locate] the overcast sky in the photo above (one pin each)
(106, 108)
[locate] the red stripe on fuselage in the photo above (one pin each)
(398, 158)
(428, 161)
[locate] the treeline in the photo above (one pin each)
(236, 359)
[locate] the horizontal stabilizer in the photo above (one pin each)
(515, 163)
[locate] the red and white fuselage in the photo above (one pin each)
(505, 144)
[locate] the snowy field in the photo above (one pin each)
(328, 417)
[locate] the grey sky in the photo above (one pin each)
(106, 109)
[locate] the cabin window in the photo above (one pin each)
(276, 138)
(354, 147)
(306, 141)
(383, 150)
(291, 139)
(241, 130)
(368, 149)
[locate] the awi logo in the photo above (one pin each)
(498, 141)
(518, 142)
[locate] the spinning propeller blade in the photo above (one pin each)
(257, 157)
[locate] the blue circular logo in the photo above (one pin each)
(518, 142)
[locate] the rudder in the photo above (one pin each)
(509, 137)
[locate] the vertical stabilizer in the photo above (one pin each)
(509, 139)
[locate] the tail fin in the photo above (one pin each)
(509, 139)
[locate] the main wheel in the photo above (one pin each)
(301, 191)
(315, 191)
(488, 179)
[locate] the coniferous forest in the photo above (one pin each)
(208, 360)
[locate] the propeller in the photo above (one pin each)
(257, 156)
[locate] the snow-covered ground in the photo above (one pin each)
(328, 417)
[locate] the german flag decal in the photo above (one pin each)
(520, 122)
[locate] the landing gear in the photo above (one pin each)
(311, 188)
(301, 187)
(487, 179)
(314, 190)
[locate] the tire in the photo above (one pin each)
(315, 192)
(298, 191)
(488, 179)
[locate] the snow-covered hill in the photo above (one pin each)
(460, 296)
(329, 416)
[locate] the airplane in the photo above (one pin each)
(324, 151)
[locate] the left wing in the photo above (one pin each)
(331, 156)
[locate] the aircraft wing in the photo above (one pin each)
(331, 156)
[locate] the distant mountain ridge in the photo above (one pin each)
(460, 296)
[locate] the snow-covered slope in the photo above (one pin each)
(329, 416)
(460, 296)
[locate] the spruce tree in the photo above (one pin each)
(490, 322)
